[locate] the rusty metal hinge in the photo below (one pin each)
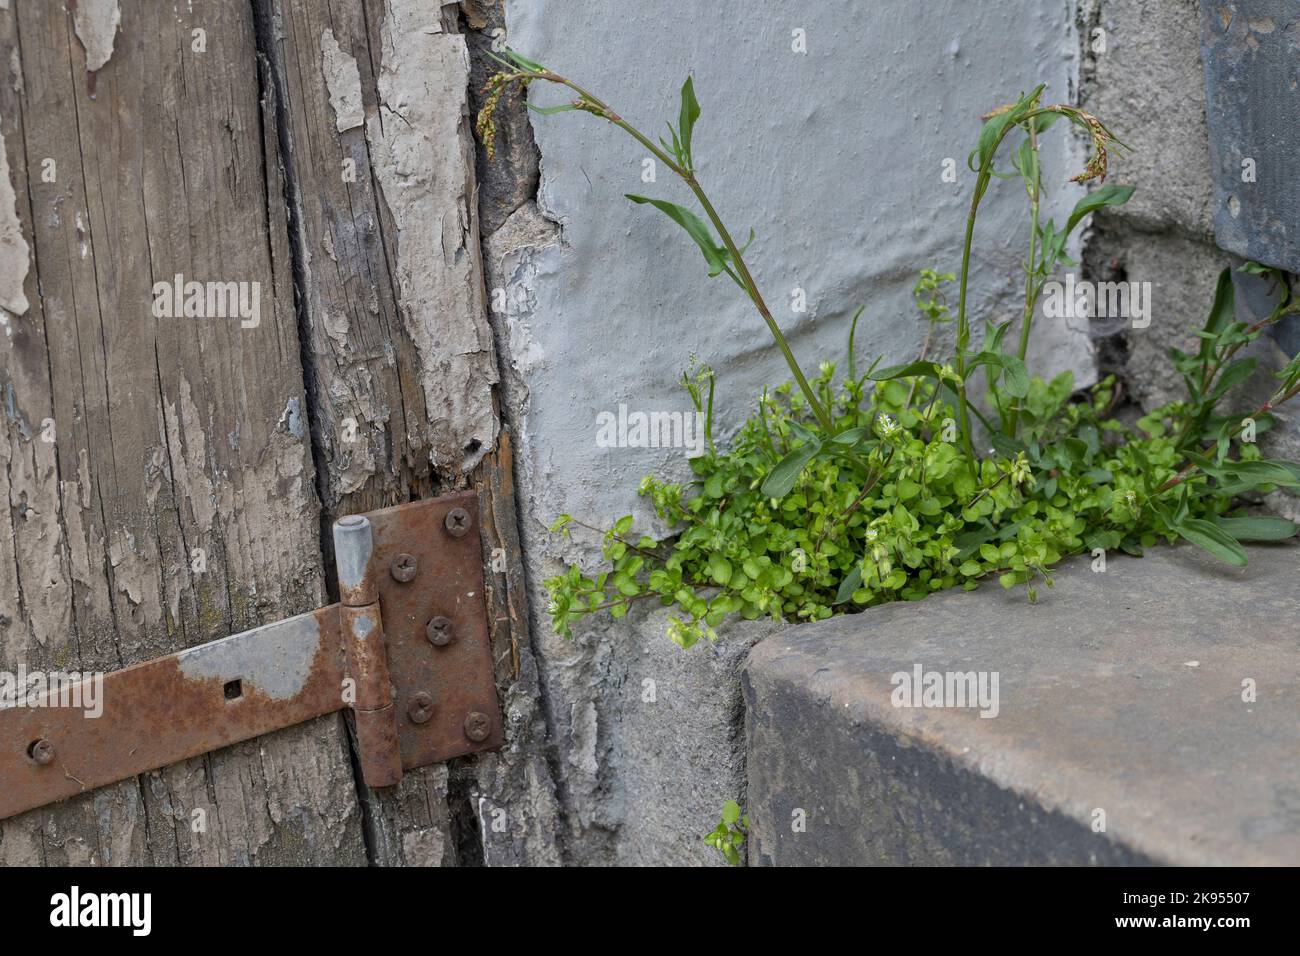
(406, 649)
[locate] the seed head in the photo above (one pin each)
(495, 88)
(1096, 168)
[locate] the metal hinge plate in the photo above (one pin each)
(426, 565)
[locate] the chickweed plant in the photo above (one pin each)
(839, 494)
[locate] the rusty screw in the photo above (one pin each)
(439, 632)
(42, 751)
(403, 567)
(457, 522)
(477, 726)
(420, 708)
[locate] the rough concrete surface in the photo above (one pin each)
(1183, 273)
(652, 740)
(1147, 86)
(1146, 82)
(1123, 691)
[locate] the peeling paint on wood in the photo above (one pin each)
(96, 24)
(423, 160)
(343, 82)
(13, 247)
(181, 438)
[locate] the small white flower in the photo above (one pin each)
(1019, 469)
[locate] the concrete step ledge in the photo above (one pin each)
(1119, 692)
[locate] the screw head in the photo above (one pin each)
(439, 632)
(477, 726)
(457, 522)
(420, 709)
(42, 751)
(403, 567)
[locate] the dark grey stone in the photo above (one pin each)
(1119, 691)
(1251, 53)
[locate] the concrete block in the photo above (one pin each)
(649, 737)
(680, 743)
(1164, 693)
(1148, 87)
(1183, 274)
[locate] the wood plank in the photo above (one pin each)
(380, 161)
(172, 434)
(401, 365)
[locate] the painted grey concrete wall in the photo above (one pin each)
(834, 157)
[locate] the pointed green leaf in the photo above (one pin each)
(852, 436)
(850, 584)
(853, 328)
(1105, 196)
(1235, 373)
(1213, 539)
(1258, 528)
(520, 60)
(690, 112)
(551, 110)
(1221, 313)
(1264, 471)
(695, 228)
(782, 478)
(929, 369)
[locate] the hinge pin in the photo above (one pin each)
(366, 657)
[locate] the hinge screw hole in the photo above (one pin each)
(42, 751)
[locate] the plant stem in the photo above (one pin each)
(963, 323)
(963, 327)
(1031, 297)
(746, 279)
(817, 408)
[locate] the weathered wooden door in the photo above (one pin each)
(167, 476)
